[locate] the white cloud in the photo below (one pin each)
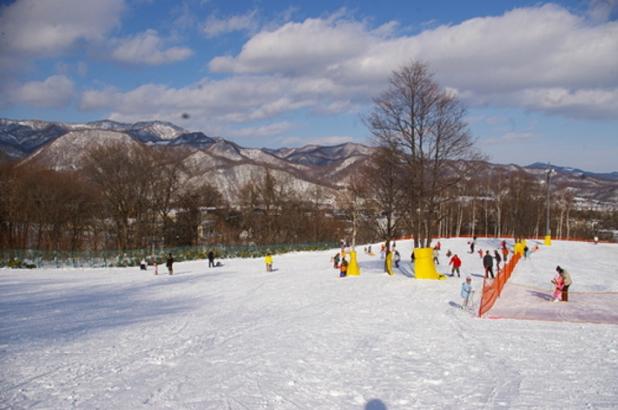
(54, 92)
(268, 130)
(601, 10)
(48, 27)
(524, 49)
(324, 140)
(539, 58)
(214, 26)
(148, 48)
(511, 137)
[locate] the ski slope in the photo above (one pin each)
(238, 337)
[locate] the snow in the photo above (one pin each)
(593, 296)
(299, 337)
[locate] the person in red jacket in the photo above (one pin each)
(456, 262)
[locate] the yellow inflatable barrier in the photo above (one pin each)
(547, 241)
(389, 263)
(424, 266)
(353, 268)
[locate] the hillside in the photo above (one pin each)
(61, 145)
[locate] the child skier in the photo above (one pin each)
(558, 282)
(268, 260)
(336, 261)
(436, 254)
(466, 292)
(397, 258)
(344, 268)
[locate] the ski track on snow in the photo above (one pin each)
(237, 337)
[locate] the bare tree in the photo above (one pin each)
(384, 192)
(424, 123)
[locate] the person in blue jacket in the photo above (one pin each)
(466, 292)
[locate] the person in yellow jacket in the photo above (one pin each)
(269, 262)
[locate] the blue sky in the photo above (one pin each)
(540, 80)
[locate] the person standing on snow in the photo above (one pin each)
(498, 260)
(268, 260)
(466, 292)
(344, 268)
(170, 264)
(505, 253)
(456, 262)
(336, 261)
(211, 259)
(567, 282)
(397, 258)
(436, 254)
(488, 263)
(558, 282)
(472, 243)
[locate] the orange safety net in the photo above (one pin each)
(492, 288)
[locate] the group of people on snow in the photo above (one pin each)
(169, 263)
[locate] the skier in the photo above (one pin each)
(268, 259)
(505, 253)
(567, 282)
(558, 282)
(435, 254)
(155, 264)
(449, 253)
(142, 264)
(456, 262)
(170, 264)
(472, 243)
(336, 261)
(344, 268)
(211, 259)
(382, 251)
(498, 260)
(466, 292)
(397, 258)
(526, 250)
(488, 263)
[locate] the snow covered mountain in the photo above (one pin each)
(67, 152)
(576, 172)
(61, 146)
(19, 138)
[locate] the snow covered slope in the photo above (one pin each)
(238, 337)
(67, 152)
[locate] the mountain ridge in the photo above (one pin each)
(60, 145)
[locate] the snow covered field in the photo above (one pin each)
(299, 337)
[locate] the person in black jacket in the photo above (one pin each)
(211, 259)
(170, 264)
(488, 263)
(498, 259)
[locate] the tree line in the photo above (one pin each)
(425, 178)
(139, 196)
